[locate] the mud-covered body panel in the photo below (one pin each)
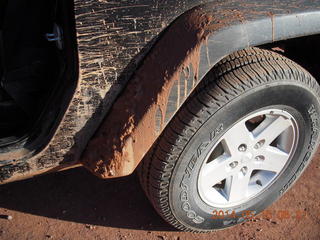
(114, 37)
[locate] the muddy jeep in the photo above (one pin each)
(215, 104)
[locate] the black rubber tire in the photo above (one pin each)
(240, 84)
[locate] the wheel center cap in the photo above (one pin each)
(247, 157)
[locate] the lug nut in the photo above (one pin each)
(233, 164)
(244, 170)
(259, 158)
(259, 144)
(242, 148)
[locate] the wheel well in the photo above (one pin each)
(302, 50)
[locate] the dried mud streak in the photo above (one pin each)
(129, 130)
(123, 143)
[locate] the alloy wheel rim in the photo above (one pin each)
(247, 159)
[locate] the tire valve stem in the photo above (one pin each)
(258, 182)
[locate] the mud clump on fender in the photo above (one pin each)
(129, 129)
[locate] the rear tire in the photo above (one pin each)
(253, 88)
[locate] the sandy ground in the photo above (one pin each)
(76, 205)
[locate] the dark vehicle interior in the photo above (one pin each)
(33, 61)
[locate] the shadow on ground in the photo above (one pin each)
(77, 196)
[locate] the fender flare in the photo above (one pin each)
(188, 49)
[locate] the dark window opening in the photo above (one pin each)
(34, 60)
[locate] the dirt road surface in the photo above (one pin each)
(76, 205)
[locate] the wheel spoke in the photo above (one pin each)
(234, 137)
(274, 160)
(236, 186)
(272, 130)
(215, 171)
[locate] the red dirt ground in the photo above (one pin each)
(76, 205)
